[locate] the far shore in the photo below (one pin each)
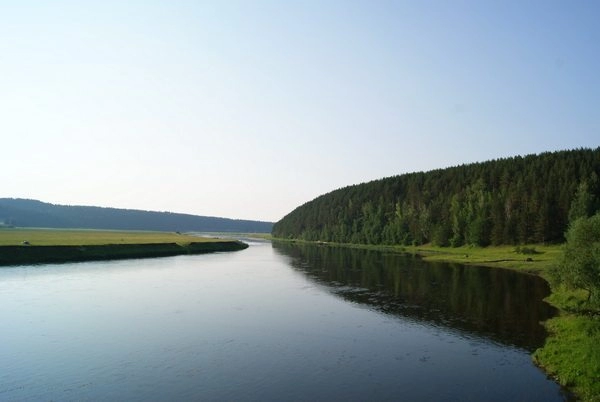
(39, 246)
(533, 259)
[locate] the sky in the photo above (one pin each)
(248, 109)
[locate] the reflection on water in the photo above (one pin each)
(285, 323)
(503, 305)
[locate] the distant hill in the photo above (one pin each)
(516, 200)
(33, 213)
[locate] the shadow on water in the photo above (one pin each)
(502, 305)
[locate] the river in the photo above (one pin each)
(273, 322)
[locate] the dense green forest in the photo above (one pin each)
(516, 200)
(32, 213)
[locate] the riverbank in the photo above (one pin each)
(571, 354)
(536, 259)
(37, 246)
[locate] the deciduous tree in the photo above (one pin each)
(580, 265)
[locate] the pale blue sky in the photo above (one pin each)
(247, 109)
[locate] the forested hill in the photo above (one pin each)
(515, 200)
(32, 213)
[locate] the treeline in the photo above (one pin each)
(514, 200)
(33, 213)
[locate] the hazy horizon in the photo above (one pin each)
(246, 110)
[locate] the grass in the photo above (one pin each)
(82, 237)
(572, 355)
(536, 259)
(35, 246)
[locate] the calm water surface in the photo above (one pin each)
(273, 322)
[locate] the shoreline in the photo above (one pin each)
(570, 355)
(11, 255)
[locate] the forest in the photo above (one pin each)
(516, 200)
(33, 213)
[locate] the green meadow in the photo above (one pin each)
(536, 259)
(81, 237)
(38, 246)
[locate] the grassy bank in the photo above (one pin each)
(571, 353)
(32, 246)
(536, 259)
(82, 237)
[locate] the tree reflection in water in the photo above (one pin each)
(502, 305)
